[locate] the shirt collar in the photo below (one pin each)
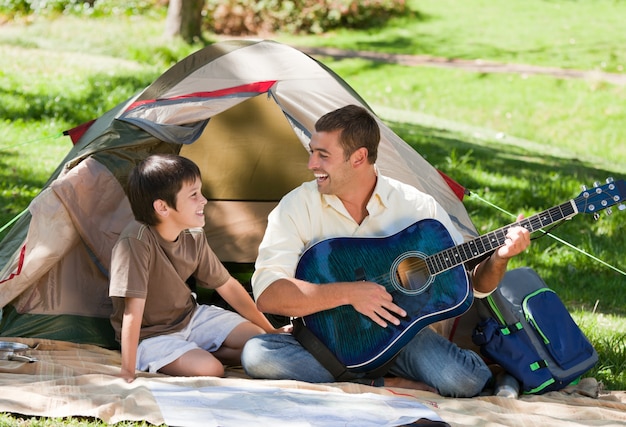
(380, 196)
(378, 201)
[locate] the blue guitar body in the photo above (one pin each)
(396, 262)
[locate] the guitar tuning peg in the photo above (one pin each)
(583, 187)
(609, 211)
(596, 184)
(596, 216)
(609, 180)
(621, 207)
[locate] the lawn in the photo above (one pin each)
(523, 143)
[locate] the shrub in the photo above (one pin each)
(244, 17)
(14, 8)
(233, 17)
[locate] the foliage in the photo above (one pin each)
(26, 7)
(232, 17)
(93, 8)
(240, 17)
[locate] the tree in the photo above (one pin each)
(184, 19)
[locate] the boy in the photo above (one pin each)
(156, 318)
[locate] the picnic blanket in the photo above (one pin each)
(77, 380)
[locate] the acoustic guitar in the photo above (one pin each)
(422, 269)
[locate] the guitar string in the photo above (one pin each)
(422, 262)
(441, 259)
(444, 260)
(558, 239)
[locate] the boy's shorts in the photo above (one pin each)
(208, 329)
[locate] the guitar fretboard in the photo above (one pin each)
(472, 249)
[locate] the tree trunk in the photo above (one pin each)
(184, 19)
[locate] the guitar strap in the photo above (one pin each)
(323, 355)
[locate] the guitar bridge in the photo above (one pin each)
(359, 274)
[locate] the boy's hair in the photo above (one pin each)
(159, 176)
(358, 129)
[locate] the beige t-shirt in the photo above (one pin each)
(144, 265)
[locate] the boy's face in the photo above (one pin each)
(189, 212)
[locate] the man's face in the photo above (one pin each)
(327, 161)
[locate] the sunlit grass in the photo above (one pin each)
(583, 119)
(608, 335)
(584, 35)
(7, 420)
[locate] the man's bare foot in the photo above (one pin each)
(410, 384)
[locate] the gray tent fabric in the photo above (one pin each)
(243, 111)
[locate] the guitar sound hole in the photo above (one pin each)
(413, 275)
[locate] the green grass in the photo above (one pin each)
(7, 420)
(524, 143)
(582, 119)
(585, 35)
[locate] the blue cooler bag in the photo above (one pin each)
(526, 329)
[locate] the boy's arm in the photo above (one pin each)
(235, 294)
(131, 325)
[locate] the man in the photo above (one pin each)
(350, 198)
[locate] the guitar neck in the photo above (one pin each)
(486, 243)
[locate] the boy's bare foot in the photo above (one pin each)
(410, 384)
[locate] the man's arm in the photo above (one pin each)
(294, 297)
(131, 325)
(488, 274)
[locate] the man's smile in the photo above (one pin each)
(321, 177)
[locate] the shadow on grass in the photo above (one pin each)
(16, 187)
(19, 180)
(102, 93)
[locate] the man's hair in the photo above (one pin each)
(358, 129)
(159, 176)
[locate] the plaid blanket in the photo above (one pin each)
(72, 380)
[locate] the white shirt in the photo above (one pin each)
(304, 217)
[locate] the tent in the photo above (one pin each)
(244, 112)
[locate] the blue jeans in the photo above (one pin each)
(428, 358)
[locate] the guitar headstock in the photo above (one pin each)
(601, 197)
